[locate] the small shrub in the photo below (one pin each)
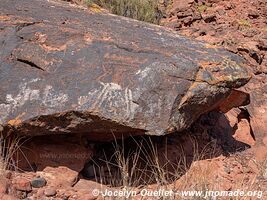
(142, 10)
(243, 22)
(202, 8)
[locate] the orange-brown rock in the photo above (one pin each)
(53, 151)
(59, 176)
(240, 26)
(22, 184)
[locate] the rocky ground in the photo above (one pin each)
(239, 26)
(219, 152)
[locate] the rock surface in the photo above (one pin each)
(59, 176)
(49, 192)
(53, 151)
(104, 75)
(22, 184)
(38, 182)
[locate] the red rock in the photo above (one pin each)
(258, 107)
(208, 170)
(3, 186)
(250, 32)
(249, 41)
(260, 153)
(232, 116)
(88, 185)
(40, 192)
(7, 197)
(178, 5)
(208, 17)
(53, 151)
(59, 176)
(65, 192)
(50, 191)
(233, 100)
(21, 184)
(213, 1)
(87, 196)
(86, 188)
(229, 6)
(243, 133)
(265, 141)
(253, 14)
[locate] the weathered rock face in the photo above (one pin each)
(53, 151)
(258, 108)
(66, 70)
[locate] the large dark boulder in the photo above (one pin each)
(64, 69)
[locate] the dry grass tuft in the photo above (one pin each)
(151, 165)
(145, 163)
(142, 10)
(8, 148)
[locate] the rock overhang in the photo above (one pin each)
(126, 75)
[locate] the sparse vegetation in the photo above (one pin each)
(244, 23)
(8, 147)
(143, 10)
(145, 163)
(202, 8)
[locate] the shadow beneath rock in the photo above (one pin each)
(133, 161)
(37, 153)
(219, 130)
(161, 160)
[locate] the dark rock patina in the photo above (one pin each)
(38, 182)
(68, 70)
